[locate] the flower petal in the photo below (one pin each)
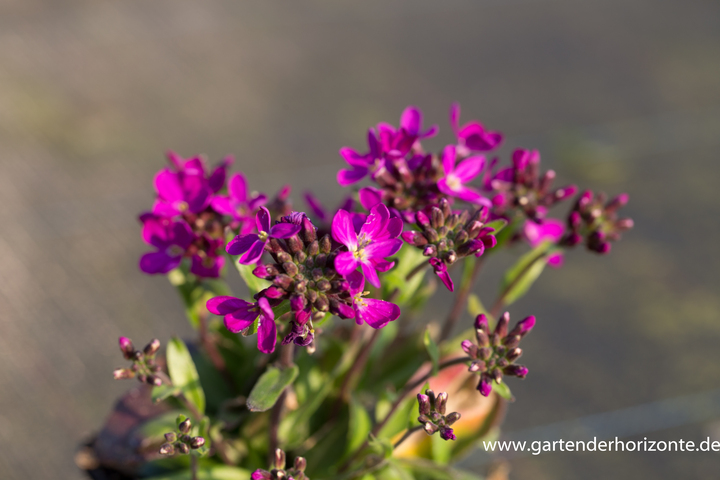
(267, 334)
(383, 249)
(284, 230)
(369, 197)
(470, 168)
(345, 263)
(356, 280)
(376, 222)
(224, 305)
(348, 177)
(237, 187)
(448, 159)
(158, 262)
(343, 230)
(241, 244)
(316, 207)
(262, 220)
(168, 187)
(378, 313)
(253, 254)
(371, 274)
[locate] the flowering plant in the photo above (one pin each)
(342, 375)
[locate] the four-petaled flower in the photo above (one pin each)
(239, 204)
(453, 183)
(377, 240)
(376, 313)
(180, 192)
(250, 246)
(171, 240)
(239, 315)
(472, 135)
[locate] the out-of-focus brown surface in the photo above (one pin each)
(618, 95)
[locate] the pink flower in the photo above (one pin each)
(376, 313)
(250, 246)
(377, 240)
(453, 183)
(239, 203)
(550, 229)
(472, 135)
(239, 315)
(171, 239)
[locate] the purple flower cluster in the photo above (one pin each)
(432, 414)
(495, 353)
(595, 220)
(192, 210)
(278, 470)
(315, 275)
(410, 179)
(446, 236)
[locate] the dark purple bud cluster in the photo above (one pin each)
(523, 188)
(144, 366)
(304, 273)
(495, 353)
(432, 414)
(447, 236)
(278, 471)
(181, 441)
(595, 220)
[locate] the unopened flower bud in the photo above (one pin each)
(430, 251)
(502, 325)
(171, 437)
(167, 449)
(447, 434)
(127, 348)
(452, 418)
(300, 464)
(183, 448)
(197, 442)
(477, 366)
(422, 220)
(481, 322)
(123, 373)
(424, 404)
(185, 426)
(325, 244)
(441, 402)
(430, 428)
(516, 370)
(279, 459)
(482, 338)
(152, 348)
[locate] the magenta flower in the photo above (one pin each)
(377, 240)
(239, 315)
(411, 122)
(550, 229)
(441, 271)
(196, 166)
(250, 246)
(376, 313)
(239, 203)
(206, 262)
(472, 135)
(179, 192)
(453, 183)
(171, 240)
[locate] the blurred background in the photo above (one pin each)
(618, 95)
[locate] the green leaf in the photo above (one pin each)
(475, 306)
(520, 277)
(497, 225)
(399, 419)
(441, 449)
(184, 374)
(432, 350)
(359, 426)
(253, 283)
(270, 386)
(163, 392)
(212, 472)
(381, 446)
(503, 390)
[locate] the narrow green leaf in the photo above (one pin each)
(270, 386)
(475, 306)
(520, 277)
(358, 427)
(503, 390)
(163, 392)
(184, 374)
(432, 350)
(253, 283)
(497, 225)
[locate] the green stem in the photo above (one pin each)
(500, 302)
(461, 300)
(409, 432)
(193, 467)
(286, 359)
